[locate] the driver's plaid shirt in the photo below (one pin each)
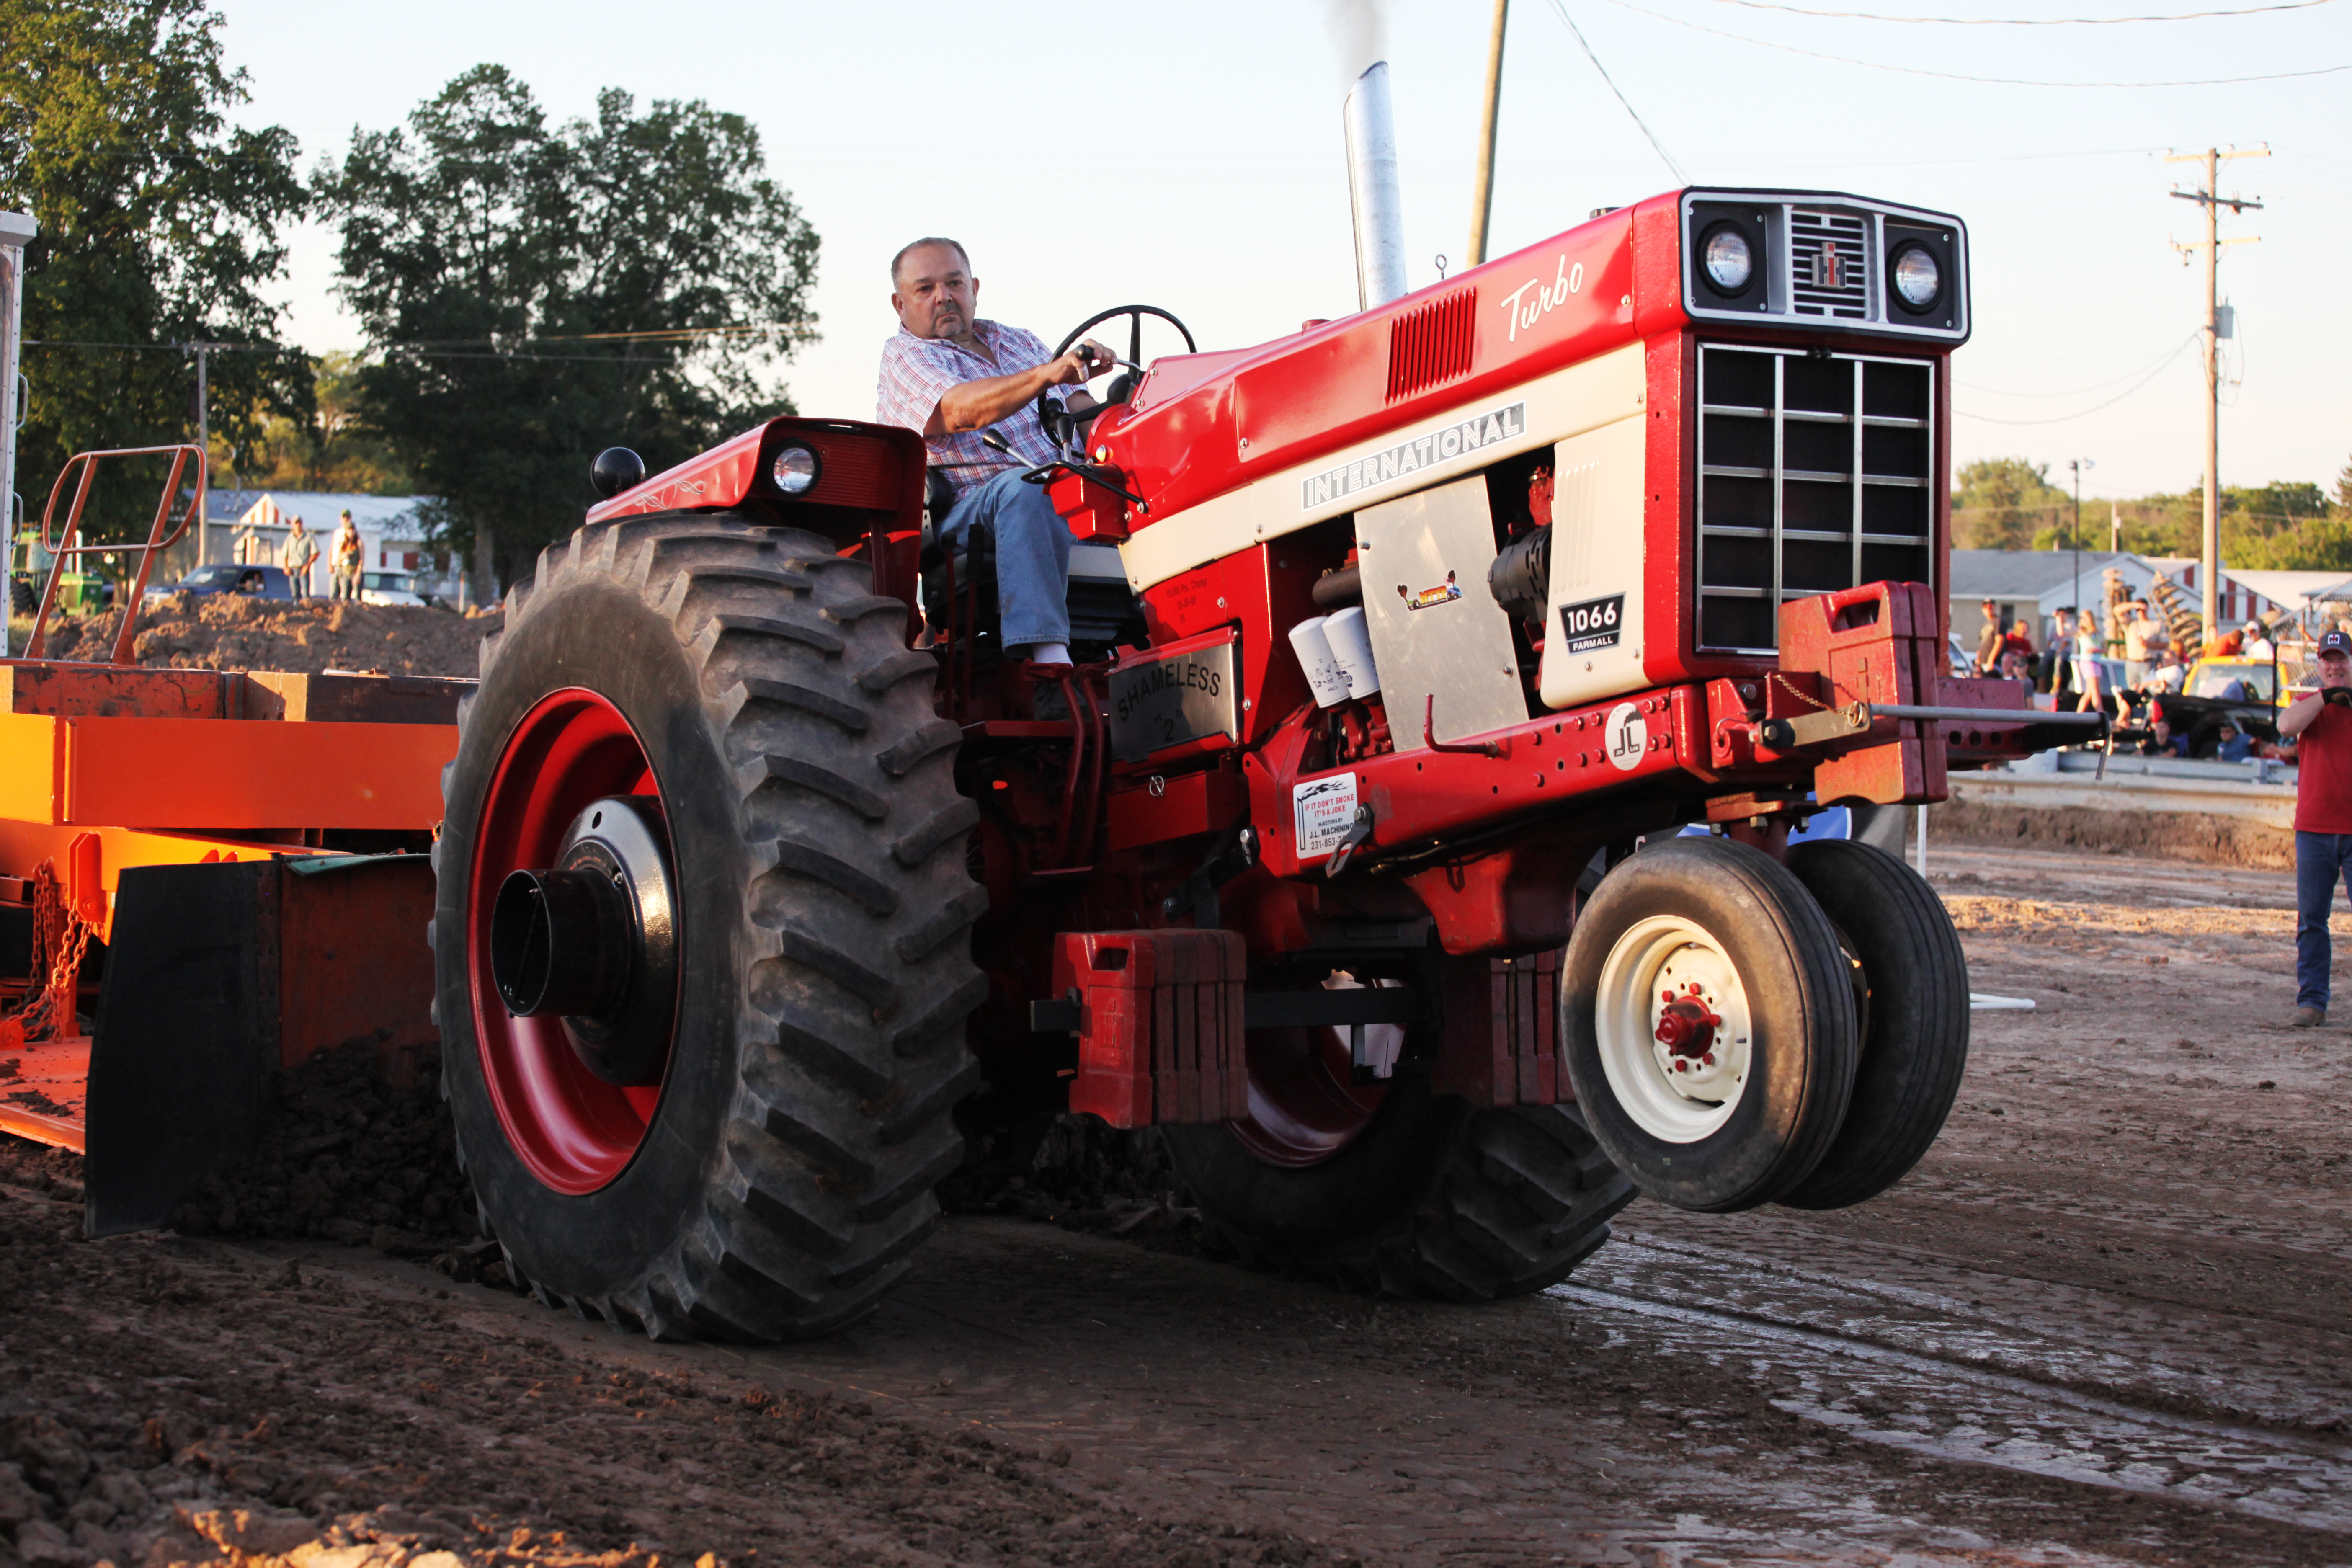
(918, 372)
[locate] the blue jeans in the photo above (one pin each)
(2320, 860)
(1032, 556)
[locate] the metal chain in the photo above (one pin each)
(60, 941)
(1782, 681)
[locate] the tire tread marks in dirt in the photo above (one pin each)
(838, 1130)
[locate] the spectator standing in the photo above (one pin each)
(2090, 676)
(2321, 724)
(2059, 656)
(1989, 640)
(296, 555)
(2258, 646)
(2144, 639)
(346, 559)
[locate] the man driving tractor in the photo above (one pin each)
(950, 376)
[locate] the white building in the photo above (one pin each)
(253, 525)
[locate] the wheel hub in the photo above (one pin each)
(592, 940)
(1672, 1020)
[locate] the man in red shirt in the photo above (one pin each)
(2322, 726)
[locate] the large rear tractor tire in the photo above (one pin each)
(1707, 1023)
(701, 939)
(1430, 1197)
(1915, 1033)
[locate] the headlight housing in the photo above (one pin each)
(796, 469)
(1727, 261)
(1916, 279)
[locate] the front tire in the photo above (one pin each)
(1707, 1023)
(769, 1174)
(1915, 1042)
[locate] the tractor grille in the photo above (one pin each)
(1783, 438)
(1829, 252)
(1430, 343)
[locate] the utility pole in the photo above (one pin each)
(1482, 199)
(2075, 466)
(204, 444)
(2209, 197)
(17, 231)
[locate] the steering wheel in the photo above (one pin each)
(1051, 414)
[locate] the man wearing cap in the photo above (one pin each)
(2321, 724)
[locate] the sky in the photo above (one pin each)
(1189, 156)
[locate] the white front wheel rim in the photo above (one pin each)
(1675, 1096)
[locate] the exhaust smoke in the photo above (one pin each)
(1372, 191)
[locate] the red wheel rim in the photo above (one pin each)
(572, 1130)
(1304, 1106)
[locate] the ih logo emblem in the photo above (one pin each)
(1829, 268)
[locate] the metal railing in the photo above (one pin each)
(63, 544)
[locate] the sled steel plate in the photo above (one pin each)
(1179, 695)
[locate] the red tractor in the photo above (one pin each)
(1346, 854)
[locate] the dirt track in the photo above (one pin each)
(2104, 1322)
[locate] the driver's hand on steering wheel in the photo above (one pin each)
(1085, 361)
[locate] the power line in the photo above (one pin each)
(2024, 21)
(2076, 391)
(2162, 366)
(1561, 12)
(1954, 75)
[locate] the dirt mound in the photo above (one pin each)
(2194, 836)
(346, 1158)
(219, 631)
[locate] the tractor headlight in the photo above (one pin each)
(1918, 281)
(1727, 260)
(796, 469)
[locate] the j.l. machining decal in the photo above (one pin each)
(1471, 435)
(1323, 810)
(1595, 624)
(1443, 593)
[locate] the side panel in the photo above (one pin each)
(355, 964)
(1595, 628)
(215, 774)
(1441, 643)
(1459, 440)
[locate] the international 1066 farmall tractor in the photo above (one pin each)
(1348, 855)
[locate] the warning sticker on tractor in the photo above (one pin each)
(1323, 811)
(1629, 736)
(1595, 624)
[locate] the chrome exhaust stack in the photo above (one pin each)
(1372, 192)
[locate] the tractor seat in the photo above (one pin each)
(1103, 610)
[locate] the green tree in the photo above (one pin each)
(158, 225)
(2002, 503)
(534, 294)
